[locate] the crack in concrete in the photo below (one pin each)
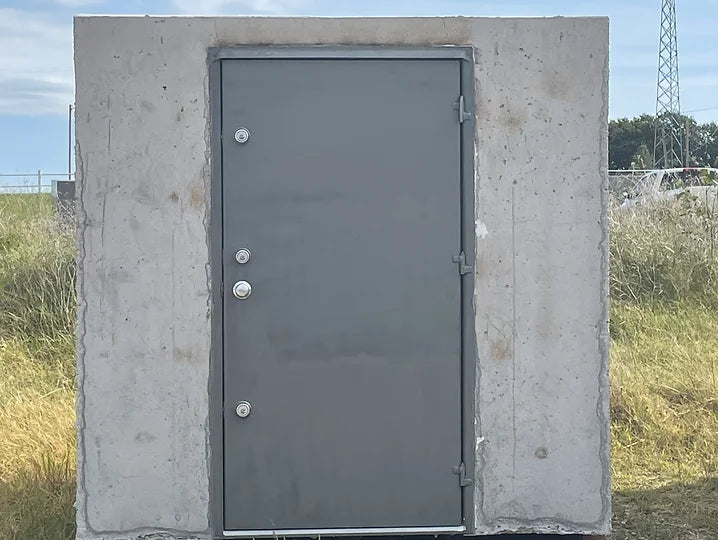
(206, 223)
(81, 422)
(602, 406)
(513, 336)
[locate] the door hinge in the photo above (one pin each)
(461, 107)
(460, 259)
(460, 471)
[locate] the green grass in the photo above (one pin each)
(664, 406)
(37, 387)
(666, 253)
(679, 511)
(664, 372)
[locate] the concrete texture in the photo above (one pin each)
(143, 165)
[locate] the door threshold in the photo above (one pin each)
(343, 532)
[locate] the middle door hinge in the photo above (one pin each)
(461, 107)
(460, 259)
(460, 471)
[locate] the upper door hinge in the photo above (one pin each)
(460, 259)
(461, 107)
(460, 471)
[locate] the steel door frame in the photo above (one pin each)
(469, 354)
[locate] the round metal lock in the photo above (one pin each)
(242, 290)
(243, 409)
(242, 256)
(241, 135)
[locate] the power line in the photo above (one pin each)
(710, 137)
(701, 110)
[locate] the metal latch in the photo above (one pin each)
(461, 107)
(460, 471)
(460, 259)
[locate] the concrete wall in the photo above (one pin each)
(143, 165)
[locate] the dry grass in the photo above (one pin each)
(664, 405)
(664, 372)
(667, 252)
(37, 441)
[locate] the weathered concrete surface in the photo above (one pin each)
(541, 283)
(541, 299)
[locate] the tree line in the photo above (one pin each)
(630, 142)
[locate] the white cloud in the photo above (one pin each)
(78, 3)
(216, 7)
(35, 64)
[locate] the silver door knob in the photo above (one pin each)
(243, 409)
(242, 290)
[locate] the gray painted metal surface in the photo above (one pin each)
(348, 195)
(63, 195)
(63, 190)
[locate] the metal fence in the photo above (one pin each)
(658, 183)
(37, 182)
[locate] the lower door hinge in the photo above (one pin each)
(460, 259)
(460, 471)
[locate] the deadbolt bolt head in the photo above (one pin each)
(241, 135)
(242, 256)
(242, 290)
(243, 409)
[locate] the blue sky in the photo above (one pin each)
(36, 78)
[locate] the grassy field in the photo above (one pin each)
(664, 371)
(37, 386)
(664, 405)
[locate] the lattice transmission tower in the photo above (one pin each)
(668, 145)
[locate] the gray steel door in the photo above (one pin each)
(347, 195)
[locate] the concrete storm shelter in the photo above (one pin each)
(341, 277)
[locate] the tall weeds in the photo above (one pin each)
(664, 374)
(37, 273)
(666, 251)
(664, 369)
(37, 312)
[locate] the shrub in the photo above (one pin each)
(37, 272)
(665, 251)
